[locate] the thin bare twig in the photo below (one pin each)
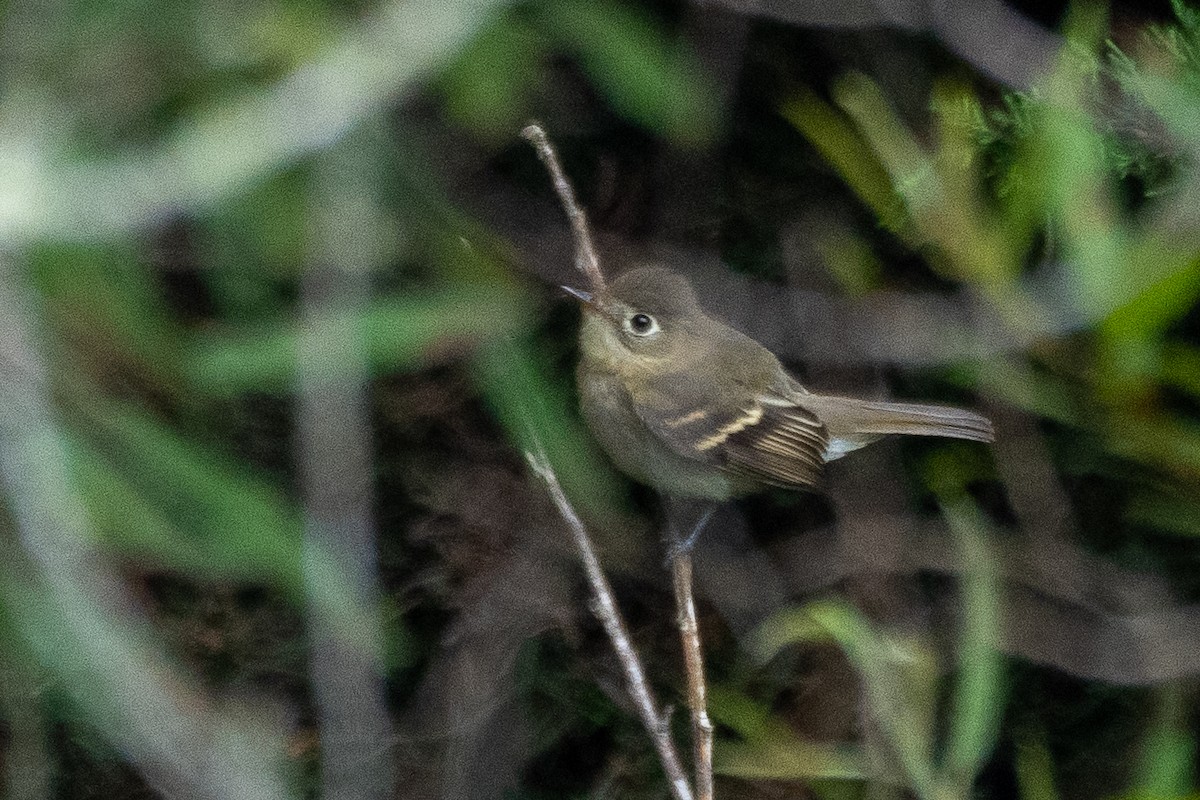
(586, 260)
(693, 660)
(605, 608)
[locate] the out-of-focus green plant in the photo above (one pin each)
(1022, 205)
(199, 126)
(1167, 767)
(900, 678)
(628, 55)
(1070, 210)
(201, 130)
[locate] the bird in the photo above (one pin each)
(694, 408)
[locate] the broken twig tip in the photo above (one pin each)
(534, 132)
(586, 260)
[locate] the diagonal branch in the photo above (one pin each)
(605, 608)
(586, 260)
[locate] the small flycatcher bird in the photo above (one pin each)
(694, 408)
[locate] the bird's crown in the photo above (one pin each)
(656, 290)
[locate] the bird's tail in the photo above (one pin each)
(880, 418)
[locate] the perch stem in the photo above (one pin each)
(693, 660)
(604, 606)
(586, 260)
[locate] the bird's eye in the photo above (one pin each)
(641, 325)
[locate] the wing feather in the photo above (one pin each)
(786, 447)
(769, 438)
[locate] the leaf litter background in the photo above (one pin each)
(279, 318)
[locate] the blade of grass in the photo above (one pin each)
(880, 661)
(1167, 763)
(849, 154)
(231, 520)
(646, 77)
(518, 387)
(1035, 768)
(769, 750)
(977, 705)
(398, 332)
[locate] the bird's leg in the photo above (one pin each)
(686, 520)
(688, 543)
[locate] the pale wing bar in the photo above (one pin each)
(785, 447)
(771, 440)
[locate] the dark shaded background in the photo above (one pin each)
(279, 319)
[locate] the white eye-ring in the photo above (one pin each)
(640, 324)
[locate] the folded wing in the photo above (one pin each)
(765, 438)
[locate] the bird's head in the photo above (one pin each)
(647, 316)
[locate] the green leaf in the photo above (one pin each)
(257, 238)
(1175, 102)
(910, 169)
(1179, 366)
(1166, 770)
(780, 755)
(486, 88)
(746, 717)
(642, 71)
(849, 153)
(203, 513)
(770, 750)
(896, 676)
(128, 523)
(850, 261)
(978, 700)
(1035, 768)
(1162, 441)
(1166, 513)
(1015, 382)
(104, 303)
(1130, 336)
(1068, 155)
(395, 333)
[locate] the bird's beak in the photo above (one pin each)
(579, 294)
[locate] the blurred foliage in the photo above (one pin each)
(900, 677)
(183, 184)
(643, 74)
(1088, 181)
